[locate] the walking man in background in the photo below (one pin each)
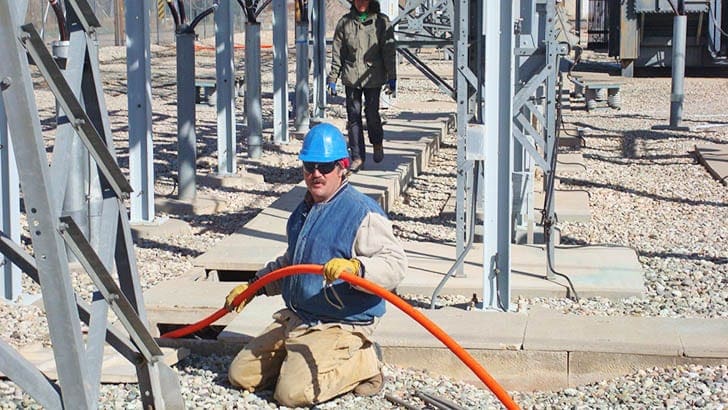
(363, 53)
(319, 346)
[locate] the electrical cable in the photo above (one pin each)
(182, 14)
(175, 15)
(548, 198)
(370, 287)
(202, 15)
(61, 19)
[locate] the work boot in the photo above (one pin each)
(356, 165)
(378, 153)
(370, 386)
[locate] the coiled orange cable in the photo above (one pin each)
(415, 314)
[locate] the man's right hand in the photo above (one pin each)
(332, 87)
(232, 295)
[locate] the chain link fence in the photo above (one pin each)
(162, 25)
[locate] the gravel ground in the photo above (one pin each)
(646, 191)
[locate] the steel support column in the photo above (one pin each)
(139, 96)
(186, 115)
(303, 93)
(497, 203)
(225, 89)
(280, 72)
(677, 93)
(253, 108)
(318, 32)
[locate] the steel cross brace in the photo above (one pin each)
(79, 372)
(161, 375)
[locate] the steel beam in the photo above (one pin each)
(58, 295)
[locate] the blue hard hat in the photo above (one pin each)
(323, 143)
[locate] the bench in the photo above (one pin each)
(205, 88)
(597, 88)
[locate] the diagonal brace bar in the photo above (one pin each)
(25, 262)
(103, 280)
(529, 89)
(531, 149)
(29, 378)
(431, 75)
(85, 15)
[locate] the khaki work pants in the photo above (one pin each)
(307, 364)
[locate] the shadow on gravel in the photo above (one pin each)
(150, 243)
(569, 241)
(591, 184)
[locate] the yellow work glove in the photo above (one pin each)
(232, 295)
(334, 267)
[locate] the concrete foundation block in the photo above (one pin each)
(514, 370)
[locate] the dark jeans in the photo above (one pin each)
(354, 122)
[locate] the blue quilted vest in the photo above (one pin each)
(317, 233)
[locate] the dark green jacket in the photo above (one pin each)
(363, 52)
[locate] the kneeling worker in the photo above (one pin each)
(319, 346)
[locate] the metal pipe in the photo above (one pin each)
(253, 108)
(677, 96)
(186, 116)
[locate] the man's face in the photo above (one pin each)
(361, 5)
(322, 184)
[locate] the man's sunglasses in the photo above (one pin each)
(323, 167)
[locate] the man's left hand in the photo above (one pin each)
(336, 266)
(392, 87)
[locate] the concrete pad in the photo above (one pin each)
(715, 159)
(160, 227)
(552, 331)
(115, 368)
(569, 163)
(573, 142)
(396, 328)
(513, 370)
(473, 329)
(238, 181)
(252, 320)
(201, 205)
(703, 337)
(591, 367)
(608, 272)
(201, 298)
(387, 184)
(262, 239)
(572, 206)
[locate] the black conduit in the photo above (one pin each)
(58, 11)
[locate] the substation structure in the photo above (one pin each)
(506, 63)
